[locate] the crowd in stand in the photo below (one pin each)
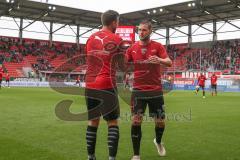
(42, 64)
(11, 50)
(174, 51)
(221, 56)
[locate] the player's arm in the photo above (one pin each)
(161, 58)
(122, 56)
(127, 59)
(157, 60)
(198, 81)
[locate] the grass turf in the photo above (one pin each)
(196, 128)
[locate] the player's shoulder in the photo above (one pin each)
(94, 35)
(134, 46)
(114, 37)
(110, 36)
(90, 38)
(155, 43)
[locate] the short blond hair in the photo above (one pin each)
(146, 22)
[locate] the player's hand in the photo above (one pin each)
(124, 45)
(154, 60)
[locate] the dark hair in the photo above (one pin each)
(108, 17)
(146, 22)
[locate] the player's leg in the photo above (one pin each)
(215, 90)
(156, 110)
(197, 89)
(93, 123)
(136, 134)
(111, 112)
(203, 90)
(212, 89)
(138, 109)
(113, 138)
(126, 85)
(91, 138)
(113, 133)
(159, 130)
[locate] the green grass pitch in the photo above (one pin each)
(196, 128)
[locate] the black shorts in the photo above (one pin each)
(0, 81)
(102, 103)
(203, 87)
(154, 100)
(7, 80)
(214, 86)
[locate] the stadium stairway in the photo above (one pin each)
(14, 69)
(80, 68)
(31, 59)
(58, 61)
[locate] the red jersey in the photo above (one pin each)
(78, 79)
(1, 73)
(147, 76)
(101, 49)
(201, 80)
(214, 80)
(7, 77)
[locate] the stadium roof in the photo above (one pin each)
(195, 12)
(43, 12)
(123, 6)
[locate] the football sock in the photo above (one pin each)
(91, 137)
(113, 138)
(136, 134)
(91, 157)
(159, 133)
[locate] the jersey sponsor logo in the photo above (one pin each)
(100, 39)
(154, 51)
(110, 47)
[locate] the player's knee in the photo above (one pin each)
(94, 122)
(137, 120)
(112, 123)
(160, 123)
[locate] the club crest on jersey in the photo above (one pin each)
(144, 51)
